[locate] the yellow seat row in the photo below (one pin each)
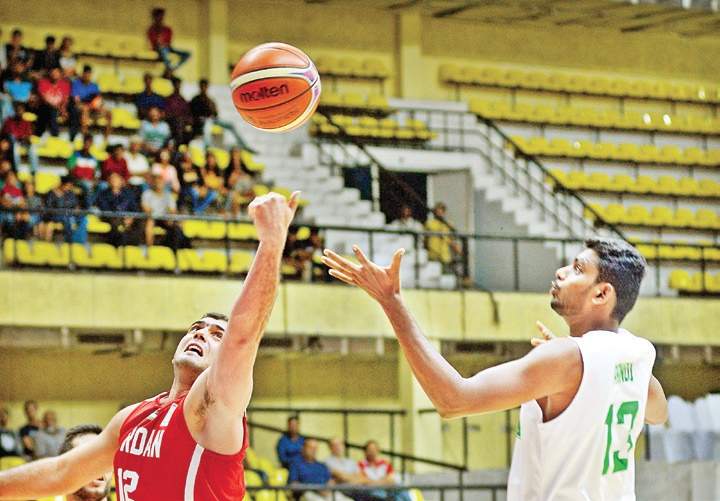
(112, 83)
(351, 68)
(373, 102)
(197, 155)
(684, 281)
(99, 255)
(58, 147)
(642, 185)
(595, 117)
(576, 83)
(371, 127)
(627, 152)
(639, 215)
(678, 252)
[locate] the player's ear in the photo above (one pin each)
(603, 293)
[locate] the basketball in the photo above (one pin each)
(275, 87)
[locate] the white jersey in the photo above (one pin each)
(587, 452)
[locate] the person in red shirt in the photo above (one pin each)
(160, 38)
(187, 443)
(20, 131)
(54, 95)
(116, 163)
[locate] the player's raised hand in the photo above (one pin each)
(546, 333)
(381, 282)
(272, 214)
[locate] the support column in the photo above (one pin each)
(421, 433)
(408, 55)
(214, 43)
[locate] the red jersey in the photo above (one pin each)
(157, 459)
(159, 36)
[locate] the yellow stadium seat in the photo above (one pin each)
(106, 256)
(348, 67)
(353, 100)
(575, 180)
(46, 181)
(636, 215)
(8, 462)
(374, 68)
(614, 213)
(133, 85)
(378, 102)
(162, 86)
(660, 216)
(682, 218)
(328, 98)
(669, 154)
(687, 186)
(95, 225)
(598, 181)
(253, 479)
(416, 495)
(109, 83)
(9, 245)
(692, 156)
(242, 231)
(202, 260)
(279, 477)
(621, 183)
(679, 280)
(649, 252)
(643, 184)
(666, 185)
(706, 219)
(157, 258)
(558, 147)
(450, 73)
(708, 188)
(266, 465)
(266, 495)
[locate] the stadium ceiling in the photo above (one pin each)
(686, 18)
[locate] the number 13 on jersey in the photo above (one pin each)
(621, 421)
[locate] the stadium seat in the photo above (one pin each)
(106, 256)
(205, 261)
(242, 231)
(253, 479)
(636, 215)
(96, 225)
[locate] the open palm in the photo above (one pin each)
(380, 282)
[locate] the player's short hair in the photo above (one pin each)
(78, 431)
(49, 39)
(216, 316)
(622, 266)
(367, 444)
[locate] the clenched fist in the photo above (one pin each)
(272, 215)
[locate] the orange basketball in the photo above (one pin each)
(275, 87)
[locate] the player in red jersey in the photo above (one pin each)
(189, 442)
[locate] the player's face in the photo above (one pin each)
(572, 289)
(97, 489)
(199, 347)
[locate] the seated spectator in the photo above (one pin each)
(54, 94)
(211, 172)
(290, 443)
(47, 58)
(117, 197)
(406, 221)
(378, 471)
(178, 115)
(167, 171)
(98, 489)
(68, 61)
(14, 224)
(20, 132)
(16, 51)
(343, 469)
(10, 444)
(307, 470)
(158, 202)
(203, 198)
(83, 167)
(16, 88)
(87, 104)
(239, 184)
(160, 38)
(205, 115)
(6, 153)
(137, 163)
(34, 202)
(189, 177)
(50, 437)
(28, 431)
(116, 164)
(154, 132)
(63, 197)
(444, 249)
(148, 99)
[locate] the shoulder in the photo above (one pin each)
(557, 360)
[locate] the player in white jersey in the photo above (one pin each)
(584, 398)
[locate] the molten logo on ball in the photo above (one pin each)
(264, 93)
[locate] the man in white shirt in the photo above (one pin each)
(137, 162)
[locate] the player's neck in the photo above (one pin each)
(179, 387)
(582, 325)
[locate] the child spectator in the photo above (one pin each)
(154, 132)
(63, 197)
(54, 95)
(137, 163)
(148, 99)
(160, 38)
(116, 164)
(86, 103)
(167, 171)
(68, 61)
(47, 58)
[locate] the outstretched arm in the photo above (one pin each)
(68, 472)
(550, 369)
(217, 401)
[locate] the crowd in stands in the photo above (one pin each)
(36, 439)
(298, 455)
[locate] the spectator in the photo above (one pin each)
(239, 184)
(98, 489)
(205, 115)
(290, 444)
(50, 437)
(379, 472)
(28, 431)
(203, 198)
(178, 115)
(15, 51)
(47, 58)
(116, 164)
(158, 202)
(33, 201)
(189, 177)
(154, 132)
(211, 172)
(148, 99)
(307, 470)
(68, 61)
(15, 224)
(160, 38)
(54, 95)
(3, 57)
(10, 444)
(137, 163)
(441, 248)
(117, 197)
(87, 103)
(16, 88)
(343, 469)
(167, 171)
(6, 152)
(83, 167)
(20, 132)
(64, 197)
(406, 221)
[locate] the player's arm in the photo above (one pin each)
(656, 409)
(217, 401)
(552, 368)
(68, 472)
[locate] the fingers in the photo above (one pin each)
(396, 261)
(341, 276)
(547, 333)
(536, 341)
(338, 262)
(294, 201)
(360, 255)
